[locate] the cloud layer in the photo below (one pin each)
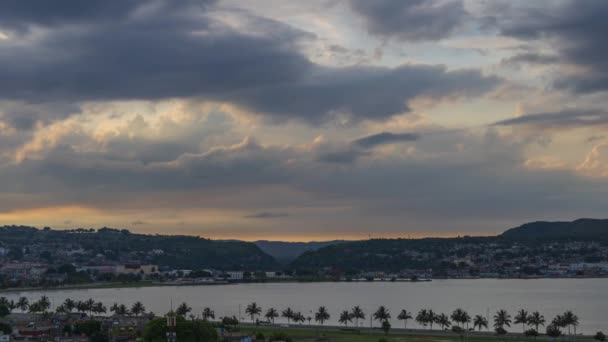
(302, 120)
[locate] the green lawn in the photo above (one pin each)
(309, 334)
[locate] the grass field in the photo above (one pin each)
(337, 335)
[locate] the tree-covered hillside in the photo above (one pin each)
(187, 252)
(581, 229)
(288, 251)
(526, 250)
(383, 254)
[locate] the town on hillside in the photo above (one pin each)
(31, 257)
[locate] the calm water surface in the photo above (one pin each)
(586, 297)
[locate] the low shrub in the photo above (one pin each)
(531, 333)
(500, 331)
(280, 336)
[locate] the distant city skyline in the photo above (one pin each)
(303, 120)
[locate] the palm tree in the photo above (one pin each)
(89, 303)
(123, 311)
(138, 308)
(35, 308)
(501, 319)
(522, 318)
(480, 322)
(404, 316)
(69, 305)
(23, 303)
(99, 308)
(357, 314)
(321, 315)
(570, 319)
(558, 322)
(253, 310)
(45, 303)
(299, 318)
(459, 316)
(382, 314)
(81, 306)
(443, 320)
(271, 314)
(422, 317)
(431, 318)
(208, 313)
(183, 309)
(61, 309)
(536, 319)
(10, 305)
(345, 317)
(114, 308)
(466, 319)
(288, 313)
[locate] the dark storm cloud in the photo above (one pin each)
(364, 92)
(21, 15)
(24, 116)
(166, 53)
(577, 29)
(561, 119)
(411, 20)
(361, 147)
(266, 215)
(532, 58)
(385, 138)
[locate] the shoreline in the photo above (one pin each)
(95, 286)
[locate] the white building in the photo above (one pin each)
(235, 275)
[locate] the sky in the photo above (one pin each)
(303, 120)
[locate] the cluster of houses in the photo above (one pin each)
(64, 327)
(29, 272)
(490, 260)
(61, 327)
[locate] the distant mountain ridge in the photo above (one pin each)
(287, 251)
(584, 228)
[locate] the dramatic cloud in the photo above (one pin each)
(385, 138)
(234, 119)
(577, 29)
(356, 149)
(162, 52)
(411, 20)
(563, 119)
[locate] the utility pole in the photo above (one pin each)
(171, 318)
(171, 322)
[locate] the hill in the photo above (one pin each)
(526, 248)
(382, 254)
(108, 245)
(581, 229)
(288, 251)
